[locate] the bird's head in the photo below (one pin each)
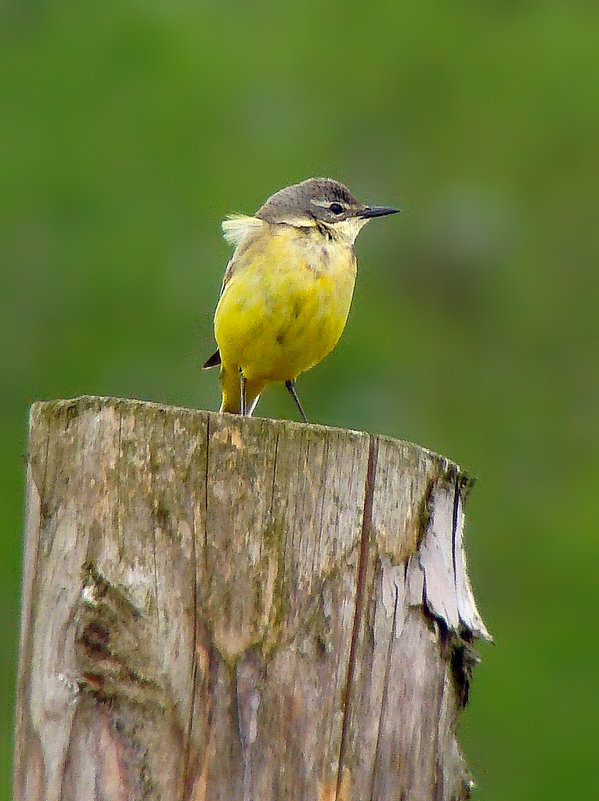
(322, 203)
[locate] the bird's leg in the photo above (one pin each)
(291, 388)
(243, 409)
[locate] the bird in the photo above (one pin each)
(287, 289)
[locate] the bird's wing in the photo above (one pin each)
(238, 230)
(229, 270)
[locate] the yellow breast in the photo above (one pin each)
(286, 303)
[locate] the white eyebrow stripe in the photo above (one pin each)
(326, 203)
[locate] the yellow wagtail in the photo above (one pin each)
(287, 288)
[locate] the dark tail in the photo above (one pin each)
(213, 361)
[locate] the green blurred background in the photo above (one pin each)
(129, 130)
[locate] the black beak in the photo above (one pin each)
(377, 211)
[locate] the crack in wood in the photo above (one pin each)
(359, 604)
(119, 456)
(384, 697)
(454, 525)
(187, 778)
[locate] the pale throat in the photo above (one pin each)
(343, 232)
(324, 248)
(349, 229)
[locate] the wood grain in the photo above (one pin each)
(217, 607)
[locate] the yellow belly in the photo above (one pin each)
(284, 308)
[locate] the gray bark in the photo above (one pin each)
(217, 607)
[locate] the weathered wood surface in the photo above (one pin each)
(224, 608)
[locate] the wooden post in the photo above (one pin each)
(224, 608)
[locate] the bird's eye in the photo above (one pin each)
(336, 208)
